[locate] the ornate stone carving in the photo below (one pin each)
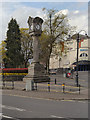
(35, 26)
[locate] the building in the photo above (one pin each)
(68, 58)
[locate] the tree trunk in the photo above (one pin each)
(48, 61)
(48, 66)
(25, 64)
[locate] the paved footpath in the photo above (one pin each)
(45, 94)
(55, 93)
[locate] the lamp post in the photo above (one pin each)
(77, 59)
(78, 38)
(59, 61)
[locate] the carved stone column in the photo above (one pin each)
(35, 49)
(36, 71)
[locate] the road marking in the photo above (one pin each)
(73, 101)
(81, 101)
(69, 100)
(5, 116)
(59, 91)
(82, 80)
(56, 116)
(13, 108)
(0, 114)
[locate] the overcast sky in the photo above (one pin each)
(77, 13)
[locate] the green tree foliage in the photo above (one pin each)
(26, 45)
(44, 48)
(2, 51)
(14, 58)
(57, 28)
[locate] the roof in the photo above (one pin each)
(82, 62)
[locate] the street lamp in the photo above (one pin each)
(77, 59)
(59, 61)
(78, 38)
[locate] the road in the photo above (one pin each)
(83, 78)
(16, 107)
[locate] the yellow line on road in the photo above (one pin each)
(68, 100)
(59, 85)
(57, 91)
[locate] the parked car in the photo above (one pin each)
(52, 72)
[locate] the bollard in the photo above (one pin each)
(49, 86)
(79, 88)
(55, 81)
(63, 86)
(32, 85)
(3, 81)
(12, 84)
(36, 86)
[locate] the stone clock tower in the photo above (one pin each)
(36, 71)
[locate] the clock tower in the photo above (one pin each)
(35, 26)
(36, 71)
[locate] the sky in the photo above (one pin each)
(77, 13)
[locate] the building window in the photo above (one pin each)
(83, 55)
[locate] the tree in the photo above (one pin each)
(14, 58)
(44, 49)
(2, 51)
(26, 45)
(57, 28)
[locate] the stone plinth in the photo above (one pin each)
(36, 72)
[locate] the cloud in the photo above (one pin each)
(21, 14)
(79, 19)
(65, 12)
(76, 12)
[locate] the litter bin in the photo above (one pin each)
(68, 75)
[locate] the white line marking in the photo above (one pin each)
(56, 116)
(10, 117)
(7, 116)
(0, 114)
(13, 108)
(81, 101)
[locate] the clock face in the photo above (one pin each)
(37, 27)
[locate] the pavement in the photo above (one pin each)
(45, 94)
(56, 92)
